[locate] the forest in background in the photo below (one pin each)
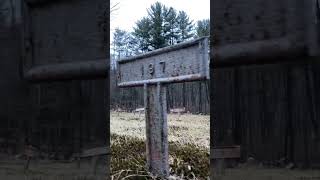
(162, 26)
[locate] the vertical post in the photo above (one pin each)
(156, 129)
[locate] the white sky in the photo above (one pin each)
(130, 11)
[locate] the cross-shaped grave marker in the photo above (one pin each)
(187, 61)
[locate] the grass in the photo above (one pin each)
(184, 129)
(188, 146)
(188, 150)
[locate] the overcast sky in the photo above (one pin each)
(130, 11)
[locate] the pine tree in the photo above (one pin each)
(156, 14)
(142, 35)
(133, 45)
(185, 27)
(158, 29)
(171, 26)
(203, 28)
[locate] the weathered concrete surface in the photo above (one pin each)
(187, 61)
(71, 112)
(268, 105)
(244, 21)
(14, 94)
(156, 130)
(60, 29)
(58, 117)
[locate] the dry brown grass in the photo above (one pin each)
(188, 146)
(187, 128)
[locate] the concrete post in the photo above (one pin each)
(157, 129)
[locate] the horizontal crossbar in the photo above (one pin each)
(98, 151)
(35, 2)
(225, 152)
(185, 78)
(257, 52)
(69, 71)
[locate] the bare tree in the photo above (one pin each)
(114, 6)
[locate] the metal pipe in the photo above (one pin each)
(69, 71)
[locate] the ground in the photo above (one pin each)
(188, 147)
(189, 137)
(49, 170)
(256, 172)
(184, 128)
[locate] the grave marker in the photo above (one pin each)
(183, 62)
